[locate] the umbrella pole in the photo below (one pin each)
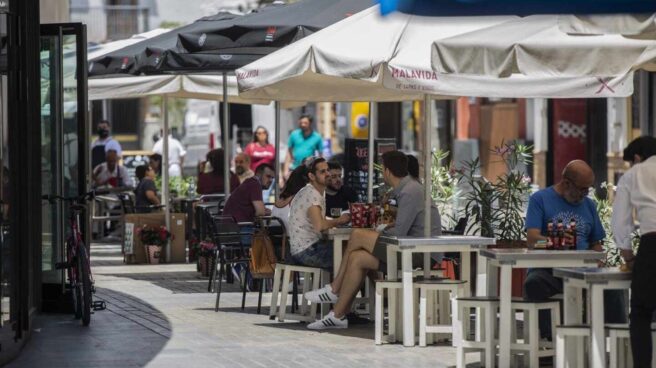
(165, 171)
(276, 161)
(373, 116)
(226, 138)
(428, 155)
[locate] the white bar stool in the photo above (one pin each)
(486, 308)
(620, 345)
(440, 291)
(530, 346)
(312, 279)
(562, 333)
(394, 310)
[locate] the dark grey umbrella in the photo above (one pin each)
(124, 60)
(226, 42)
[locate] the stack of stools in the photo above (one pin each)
(531, 347)
(484, 339)
(313, 278)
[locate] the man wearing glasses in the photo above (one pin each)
(563, 202)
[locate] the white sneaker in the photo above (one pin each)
(329, 322)
(323, 295)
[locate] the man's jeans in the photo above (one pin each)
(540, 284)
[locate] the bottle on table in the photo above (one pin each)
(572, 228)
(560, 235)
(550, 237)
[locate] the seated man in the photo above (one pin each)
(110, 173)
(146, 192)
(307, 220)
(364, 254)
(566, 200)
(338, 195)
(243, 167)
(245, 203)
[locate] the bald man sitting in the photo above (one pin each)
(562, 202)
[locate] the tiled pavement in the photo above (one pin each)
(162, 316)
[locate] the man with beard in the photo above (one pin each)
(566, 201)
(307, 220)
(338, 195)
(243, 167)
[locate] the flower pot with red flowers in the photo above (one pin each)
(154, 239)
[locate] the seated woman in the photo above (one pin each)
(146, 192)
(210, 180)
(297, 180)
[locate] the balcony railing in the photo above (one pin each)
(112, 22)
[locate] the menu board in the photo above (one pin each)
(357, 164)
(133, 159)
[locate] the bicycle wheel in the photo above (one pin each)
(74, 280)
(84, 274)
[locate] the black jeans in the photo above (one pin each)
(643, 301)
(540, 284)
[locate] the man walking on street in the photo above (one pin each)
(304, 142)
(636, 190)
(176, 154)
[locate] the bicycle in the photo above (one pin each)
(77, 260)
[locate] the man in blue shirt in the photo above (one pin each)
(562, 202)
(303, 143)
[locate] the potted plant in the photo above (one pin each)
(153, 237)
(496, 208)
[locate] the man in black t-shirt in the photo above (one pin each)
(337, 194)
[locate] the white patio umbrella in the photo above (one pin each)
(634, 25)
(367, 57)
(535, 46)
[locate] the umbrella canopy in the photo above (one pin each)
(122, 59)
(535, 46)
(516, 7)
(367, 57)
(226, 44)
(635, 25)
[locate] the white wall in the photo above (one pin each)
(54, 11)
(188, 11)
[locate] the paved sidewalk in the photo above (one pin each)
(162, 316)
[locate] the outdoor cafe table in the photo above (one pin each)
(437, 244)
(506, 260)
(595, 280)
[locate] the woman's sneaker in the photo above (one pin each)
(329, 322)
(323, 295)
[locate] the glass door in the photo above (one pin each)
(63, 132)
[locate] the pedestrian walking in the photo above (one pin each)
(304, 142)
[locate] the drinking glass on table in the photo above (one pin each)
(335, 212)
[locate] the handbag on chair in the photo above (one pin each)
(263, 257)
